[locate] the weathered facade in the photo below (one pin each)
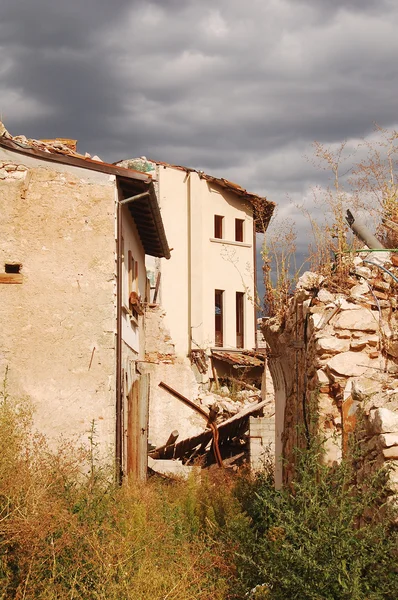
(73, 283)
(207, 290)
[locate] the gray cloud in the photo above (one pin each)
(237, 89)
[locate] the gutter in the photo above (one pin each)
(119, 388)
(189, 257)
(255, 281)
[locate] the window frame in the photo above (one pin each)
(239, 230)
(218, 227)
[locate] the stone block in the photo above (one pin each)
(383, 420)
(332, 345)
(391, 453)
(358, 320)
(386, 440)
(349, 364)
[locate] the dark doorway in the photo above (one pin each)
(240, 299)
(219, 318)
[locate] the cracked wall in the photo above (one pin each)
(57, 337)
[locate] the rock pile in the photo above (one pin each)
(341, 350)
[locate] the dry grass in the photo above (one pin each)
(66, 531)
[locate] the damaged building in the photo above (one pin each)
(201, 323)
(74, 235)
(99, 332)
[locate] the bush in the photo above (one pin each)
(325, 538)
(67, 531)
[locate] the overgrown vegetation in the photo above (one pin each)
(324, 538)
(66, 531)
(362, 178)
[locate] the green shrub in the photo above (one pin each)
(324, 538)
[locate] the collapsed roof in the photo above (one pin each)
(144, 210)
(263, 208)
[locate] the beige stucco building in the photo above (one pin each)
(74, 234)
(207, 289)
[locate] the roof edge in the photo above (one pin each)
(74, 161)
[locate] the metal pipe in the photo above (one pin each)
(133, 198)
(189, 259)
(362, 232)
(369, 262)
(119, 273)
(255, 282)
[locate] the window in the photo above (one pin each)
(218, 227)
(240, 303)
(219, 318)
(12, 268)
(239, 230)
(134, 303)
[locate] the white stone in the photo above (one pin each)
(359, 290)
(391, 453)
(363, 272)
(373, 340)
(383, 420)
(309, 280)
(325, 296)
(379, 258)
(208, 400)
(316, 319)
(343, 304)
(322, 377)
(343, 333)
(358, 344)
(360, 320)
(388, 439)
(332, 345)
(350, 364)
(332, 448)
(364, 387)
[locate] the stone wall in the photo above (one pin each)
(57, 335)
(334, 364)
(262, 441)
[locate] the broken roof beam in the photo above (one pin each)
(362, 232)
(230, 427)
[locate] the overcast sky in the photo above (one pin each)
(236, 88)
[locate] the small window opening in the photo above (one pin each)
(218, 227)
(239, 230)
(13, 267)
(240, 297)
(219, 318)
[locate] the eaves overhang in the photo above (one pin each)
(145, 211)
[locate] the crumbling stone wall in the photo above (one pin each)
(333, 357)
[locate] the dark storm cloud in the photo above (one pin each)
(237, 89)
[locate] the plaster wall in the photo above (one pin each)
(57, 334)
(132, 329)
(173, 191)
(200, 264)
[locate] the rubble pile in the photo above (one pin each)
(341, 359)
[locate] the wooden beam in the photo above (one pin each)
(11, 278)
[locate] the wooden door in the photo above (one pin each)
(137, 429)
